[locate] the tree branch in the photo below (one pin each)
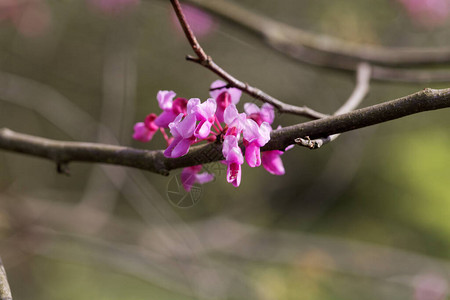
(325, 51)
(5, 291)
(357, 96)
(206, 61)
(64, 152)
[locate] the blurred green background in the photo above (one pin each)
(366, 217)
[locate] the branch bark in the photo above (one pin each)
(325, 51)
(62, 152)
(355, 99)
(206, 61)
(5, 291)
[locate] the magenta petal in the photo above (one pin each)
(217, 84)
(206, 109)
(165, 118)
(229, 143)
(174, 126)
(186, 127)
(141, 132)
(219, 114)
(230, 114)
(149, 121)
(235, 156)
(289, 148)
(181, 148)
(169, 151)
(204, 177)
(267, 113)
(203, 129)
(251, 108)
(251, 130)
(165, 99)
(192, 104)
(271, 161)
(259, 135)
(233, 119)
(235, 93)
(264, 134)
(234, 174)
(253, 155)
(188, 178)
(179, 105)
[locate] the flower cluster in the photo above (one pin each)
(216, 119)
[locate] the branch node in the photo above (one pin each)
(63, 168)
(312, 144)
(192, 58)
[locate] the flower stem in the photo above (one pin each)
(216, 128)
(165, 135)
(218, 123)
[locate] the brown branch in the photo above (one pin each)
(154, 161)
(5, 291)
(325, 51)
(206, 61)
(357, 96)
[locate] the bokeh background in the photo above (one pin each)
(366, 217)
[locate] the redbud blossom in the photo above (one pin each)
(190, 175)
(255, 137)
(264, 114)
(183, 133)
(205, 113)
(144, 131)
(234, 120)
(272, 162)
(233, 159)
(171, 108)
(224, 96)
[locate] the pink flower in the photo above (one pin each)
(229, 142)
(259, 115)
(200, 22)
(234, 120)
(171, 108)
(190, 175)
(233, 159)
(205, 113)
(113, 7)
(272, 162)
(183, 133)
(144, 131)
(224, 97)
(254, 138)
(430, 13)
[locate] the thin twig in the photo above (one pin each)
(357, 96)
(325, 51)
(5, 291)
(206, 61)
(155, 161)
